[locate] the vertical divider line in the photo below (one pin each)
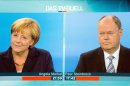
(63, 67)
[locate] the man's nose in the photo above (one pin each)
(106, 37)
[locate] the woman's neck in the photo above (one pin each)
(19, 59)
(20, 55)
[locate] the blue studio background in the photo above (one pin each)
(51, 25)
(81, 34)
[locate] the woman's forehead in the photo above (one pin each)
(23, 31)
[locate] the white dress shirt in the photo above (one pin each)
(114, 61)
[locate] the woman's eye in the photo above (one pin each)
(24, 37)
(15, 35)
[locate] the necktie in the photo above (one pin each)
(110, 68)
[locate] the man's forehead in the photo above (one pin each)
(106, 19)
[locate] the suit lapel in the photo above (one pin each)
(31, 60)
(29, 63)
(124, 58)
(101, 61)
(8, 61)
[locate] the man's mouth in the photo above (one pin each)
(106, 43)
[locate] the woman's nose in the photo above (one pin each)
(18, 39)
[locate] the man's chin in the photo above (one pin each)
(107, 48)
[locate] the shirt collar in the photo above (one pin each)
(115, 54)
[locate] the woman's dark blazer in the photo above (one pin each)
(38, 60)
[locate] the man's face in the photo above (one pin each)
(109, 35)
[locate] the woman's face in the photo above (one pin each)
(20, 41)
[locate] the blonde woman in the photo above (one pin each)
(22, 56)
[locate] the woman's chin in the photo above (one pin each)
(17, 50)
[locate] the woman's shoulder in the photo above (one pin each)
(4, 53)
(40, 51)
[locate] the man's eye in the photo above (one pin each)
(101, 33)
(110, 33)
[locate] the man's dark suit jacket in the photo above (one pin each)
(93, 61)
(38, 60)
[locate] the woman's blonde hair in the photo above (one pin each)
(27, 23)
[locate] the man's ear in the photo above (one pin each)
(120, 32)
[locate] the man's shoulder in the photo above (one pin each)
(91, 53)
(124, 49)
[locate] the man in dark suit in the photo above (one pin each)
(111, 57)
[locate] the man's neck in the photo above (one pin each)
(111, 51)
